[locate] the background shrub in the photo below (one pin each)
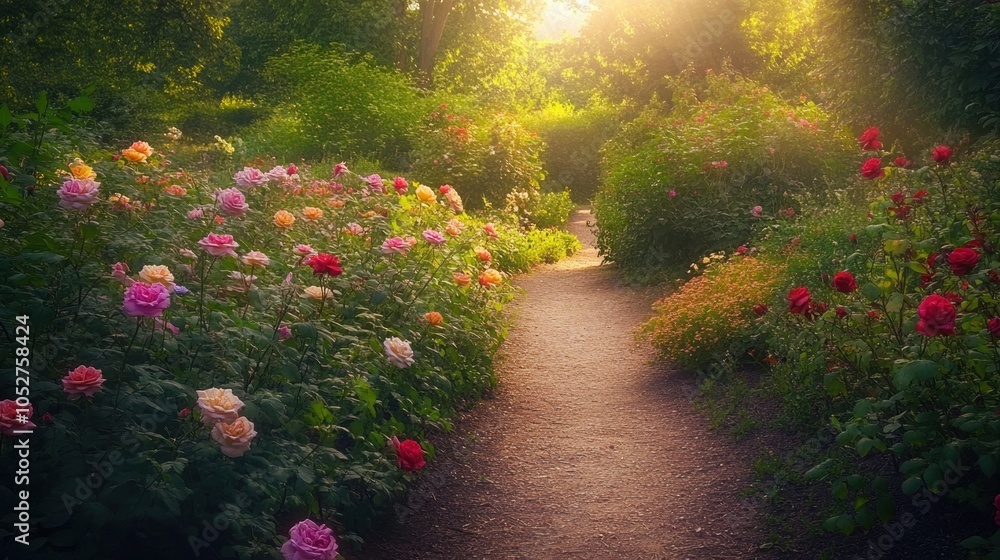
(683, 184)
(486, 157)
(327, 103)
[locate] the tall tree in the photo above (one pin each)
(433, 18)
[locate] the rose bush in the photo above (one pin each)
(249, 349)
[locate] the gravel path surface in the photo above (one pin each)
(587, 450)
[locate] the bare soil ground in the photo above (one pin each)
(587, 450)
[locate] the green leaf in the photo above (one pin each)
(915, 371)
(886, 507)
(41, 103)
(5, 117)
(975, 542)
(864, 446)
(912, 485)
(82, 104)
(871, 292)
(820, 470)
(988, 464)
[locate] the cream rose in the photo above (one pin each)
(219, 405)
(234, 437)
(398, 352)
(157, 274)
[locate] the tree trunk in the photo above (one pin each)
(433, 16)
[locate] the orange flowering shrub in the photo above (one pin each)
(702, 319)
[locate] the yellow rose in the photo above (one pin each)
(426, 195)
(433, 318)
(316, 292)
(80, 170)
(490, 278)
(143, 148)
(312, 214)
(284, 219)
(157, 274)
(134, 156)
(218, 405)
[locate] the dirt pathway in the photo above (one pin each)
(587, 450)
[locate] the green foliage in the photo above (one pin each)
(518, 251)
(486, 157)
(862, 359)
(573, 141)
(324, 400)
(684, 184)
(327, 103)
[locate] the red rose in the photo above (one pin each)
(841, 312)
(844, 282)
(869, 139)
(742, 250)
(873, 315)
(937, 316)
(4, 173)
(955, 299)
(325, 263)
(994, 276)
(963, 260)
(853, 238)
(409, 455)
(760, 309)
(941, 154)
(901, 212)
(903, 162)
(798, 300)
(994, 326)
(400, 185)
(919, 196)
(872, 169)
(898, 198)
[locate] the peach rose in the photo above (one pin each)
(175, 190)
(454, 227)
(426, 195)
(336, 203)
(483, 254)
(398, 352)
(311, 214)
(234, 437)
(462, 279)
(256, 258)
(316, 292)
(80, 170)
(284, 219)
(218, 405)
(490, 277)
(143, 148)
(157, 274)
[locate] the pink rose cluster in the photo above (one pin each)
(78, 194)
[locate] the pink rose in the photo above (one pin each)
(146, 300)
(339, 170)
(219, 245)
(276, 174)
(490, 230)
(409, 455)
(292, 169)
(84, 380)
(195, 214)
(396, 245)
(434, 237)
(303, 250)
(672, 193)
(119, 271)
(375, 182)
(11, 421)
(78, 194)
(309, 541)
(250, 177)
(231, 202)
(757, 211)
(284, 333)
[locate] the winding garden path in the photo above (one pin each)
(586, 451)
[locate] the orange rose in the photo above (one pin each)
(336, 203)
(311, 214)
(454, 227)
(134, 156)
(490, 278)
(483, 254)
(284, 219)
(175, 190)
(433, 318)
